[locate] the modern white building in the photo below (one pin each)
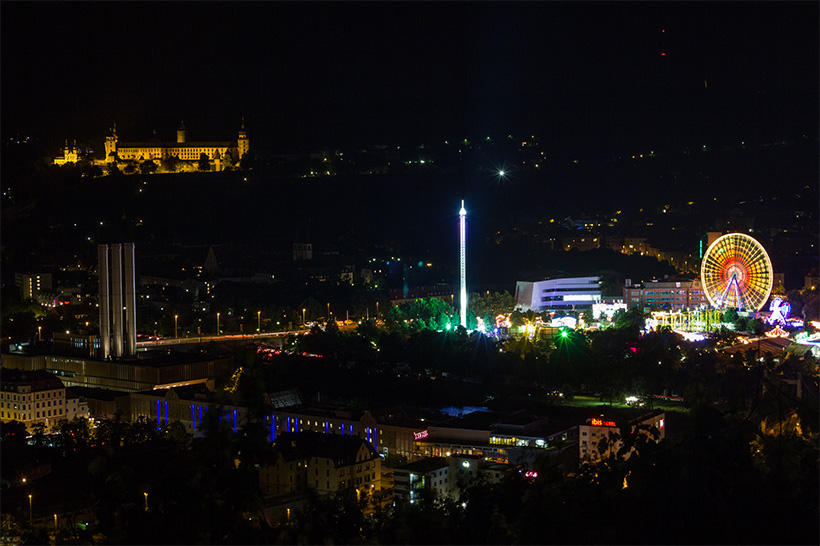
(566, 294)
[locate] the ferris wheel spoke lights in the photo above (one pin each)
(736, 273)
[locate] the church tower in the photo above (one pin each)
(111, 143)
(242, 143)
(181, 133)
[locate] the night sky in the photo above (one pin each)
(590, 76)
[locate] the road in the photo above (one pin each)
(145, 345)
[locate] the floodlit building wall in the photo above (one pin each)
(566, 294)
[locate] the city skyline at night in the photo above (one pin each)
(241, 303)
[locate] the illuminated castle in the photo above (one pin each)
(217, 152)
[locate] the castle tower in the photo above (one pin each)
(181, 133)
(72, 156)
(111, 143)
(242, 143)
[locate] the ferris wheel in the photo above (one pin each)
(736, 273)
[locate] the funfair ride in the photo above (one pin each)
(736, 273)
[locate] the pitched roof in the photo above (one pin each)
(176, 145)
(342, 450)
(39, 380)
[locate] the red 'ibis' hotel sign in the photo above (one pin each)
(601, 423)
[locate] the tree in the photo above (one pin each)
(494, 303)
(169, 164)
(633, 319)
(148, 167)
(247, 162)
(729, 316)
(13, 432)
(204, 163)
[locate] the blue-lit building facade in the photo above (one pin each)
(190, 405)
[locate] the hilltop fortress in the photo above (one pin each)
(176, 156)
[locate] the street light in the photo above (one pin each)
(217, 324)
(30, 518)
(55, 523)
(176, 332)
(303, 316)
(377, 309)
(146, 500)
(39, 333)
(259, 322)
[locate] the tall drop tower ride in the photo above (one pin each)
(462, 223)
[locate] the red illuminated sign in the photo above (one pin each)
(420, 435)
(601, 423)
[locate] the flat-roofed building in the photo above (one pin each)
(136, 374)
(607, 429)
(665, 295)
(190, 405)
(563, 294)
(446, 477)
(431, 473)
(390, 431)
(31, 285)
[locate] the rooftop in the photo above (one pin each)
(38, 380)
(424, 466)
(155, 144)
(342, 450)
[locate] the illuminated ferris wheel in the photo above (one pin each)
(736, 273)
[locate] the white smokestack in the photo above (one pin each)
(105, 327)
(130, 301)
(116, 297)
